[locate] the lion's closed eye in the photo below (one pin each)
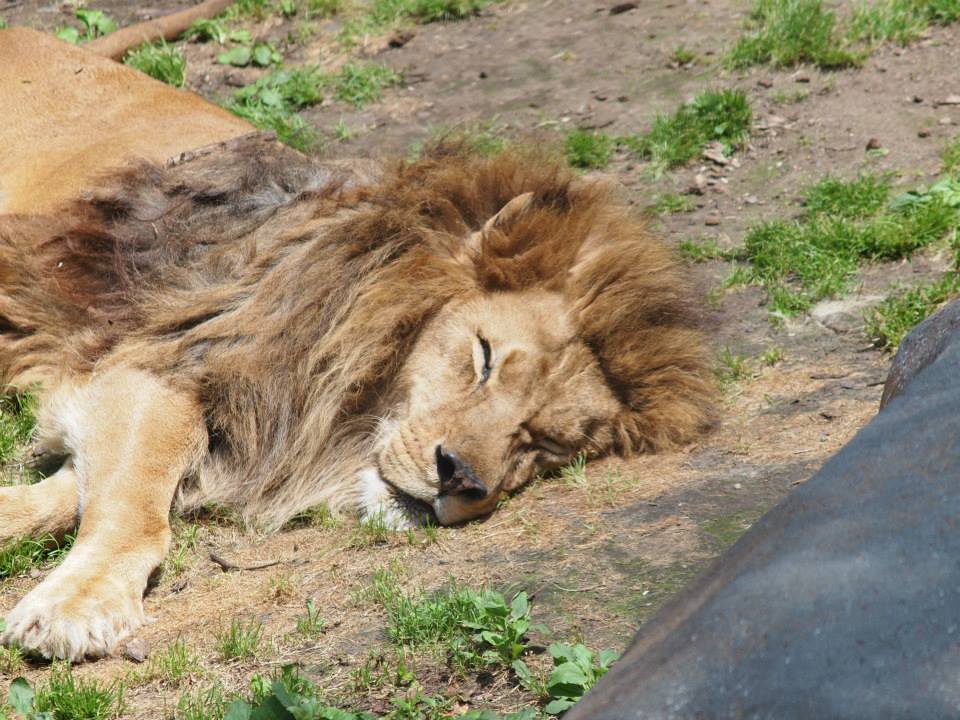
(553, 447)
(485, 361)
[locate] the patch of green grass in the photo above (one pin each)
(185, 539)
(65, 696)
(574, 472)
(381, 15)
(324, 8)
(18, 421)
(203, 704)
(3, 24)
(671, 203)
(160, 61)
(892, 319)
(12, 660)
(847, 223)
(900, 21)
(318, 516)
(362, 83)
(782, 97)
(951, 156)
(722, 116)
(589, 150)
(731, 368)
(784, 33)
(311, 625)
(773, 355)
(171, 666)
(370, 532)
(683, 56)
(19, 557)
(272, 102)
(208, 30)
(95, 24)
(472, 627)
(241, 641)
(703, 250)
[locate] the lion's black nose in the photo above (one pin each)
(457, 477)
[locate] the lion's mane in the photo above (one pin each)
(287, 293)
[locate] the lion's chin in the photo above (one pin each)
(396, 509)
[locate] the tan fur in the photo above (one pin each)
(248, 327)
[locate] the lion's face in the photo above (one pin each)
(497, 389)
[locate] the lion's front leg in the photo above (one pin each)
(132, 440)
(50, 506)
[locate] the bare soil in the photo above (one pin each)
(600, 558)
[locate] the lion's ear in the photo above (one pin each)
(509, 212)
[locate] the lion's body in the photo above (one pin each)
(250, 327)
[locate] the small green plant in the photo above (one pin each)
(683, 56)
(18, 421)
(575, 472)
(324, 8)
(499, 630)
(900, 21)
(185, 540)
(773, 355)
(671, 203)
(951, 156)
(66, 696)
(19, 557)
(241, 641)
(318, 516)
(706, 249)
(311, 625)
(160, 61)
(790, 32)
(892, 319)
(95, 24)
(271, 103)
(208, 30)
(371, 531)
(3, 24)
(260, 54)
(576, 670)
(722, 116)
(204, 704)
(172, 665)
(12, 658)
(586, 149)
(731, 367)
(782, 97)
(361, 83)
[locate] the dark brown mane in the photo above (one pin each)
(287, 293)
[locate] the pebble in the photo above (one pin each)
(874, 144)
(137, 650)
(712, 220)
(924, 133)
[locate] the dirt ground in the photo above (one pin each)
(599, 558)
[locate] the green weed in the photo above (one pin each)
(731, 368)
(18, 421)
(311, 625)
(67, 697)
(171, 665)
(722, 116)
(272, 102)
(160, 61)
(847, 222)
(892, 319)
(575, 472)
(703, 250)
(371, 531)
(19, 557)
(95, 24)
(670, 203)
(773, 355)
(683, 56)
(576, 670)
(12, 660)
(900, 21)
(362, 83)
(208, 30)
(782, 97)
(951, 156)
(324, 8)
(185, 540)
(586, 149)
(261, 54)
(241, 641)
(204, 704)
(790, 32)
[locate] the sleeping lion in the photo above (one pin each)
(247, 326)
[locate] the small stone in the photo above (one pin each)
(712, 220)
(874, 144)
(917, 99)
(945, 121)
(951, 100)
(751, 200)
(714, 152)
(622, 98)
(765, 83)
(483, 75)
(137, 650)
(801, 79)
(737, 486)
(924, 133)
(623, 7)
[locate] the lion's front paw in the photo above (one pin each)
(72, 621)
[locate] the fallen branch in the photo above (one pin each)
(168, 27)
(228, 566)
